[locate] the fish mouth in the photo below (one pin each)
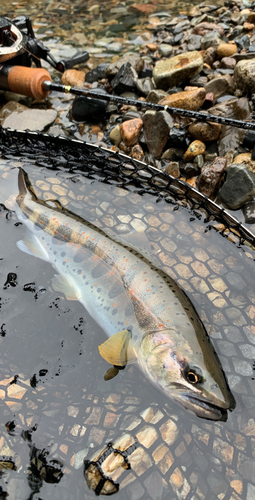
(203, 408)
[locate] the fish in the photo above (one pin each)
(146, 316)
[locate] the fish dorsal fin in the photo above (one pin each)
(31, 245)
(117, 350)
(63, 285)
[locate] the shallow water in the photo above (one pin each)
(50, 343)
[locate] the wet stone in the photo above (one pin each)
(239, 186)
(228, 63)
(249, 212)
(96, 73)
(190, 99)
(130, 131)
(244, 75)
(212, 39)
(177, 69)
(32, 119)
(194, 149)
(204, 28)
(156, 128)
(220, 85)
(172, 168)
(226, 50)
(144, 85)
(73, 77)
(115, 135)
(137, 152)
(165, 50)
(155, 95)
(125, 79)
(205, 131)
(194, 42)
(133, 59)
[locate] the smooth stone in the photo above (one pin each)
(210, 177)
(247, 159)
(212, 39)
(244, 75)
(194, 149)
(205, 28)
(10, 107)
(135, 60)
(172, 168)
(194, 42)
(156, 129)
(220, 85)
(165, 50)
(189, 99)
(84, 108)
(32, 119)
(205, 131)
(178, 138)
(249, 139)
(239, 187)
(226, 50)
(130, 131)
(137, 152)
(249, 212)
(73, 77)
(144, 85)
(210, 55)
(155, 95)
(228, 63)
(125, 79)
(115, 135)
(177, 69)
(242, 42)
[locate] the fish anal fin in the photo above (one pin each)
(63, 285)
(32, 246)
(117, 350)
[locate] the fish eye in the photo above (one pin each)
(193, 375)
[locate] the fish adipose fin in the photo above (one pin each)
(32, 246)
(117, 350)
(63, 285)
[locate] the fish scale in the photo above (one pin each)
(146, 315)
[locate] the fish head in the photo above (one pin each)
(193, 379)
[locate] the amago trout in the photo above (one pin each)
(145, 314)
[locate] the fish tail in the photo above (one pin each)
(12, 185)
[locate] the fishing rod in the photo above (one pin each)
(37, 83)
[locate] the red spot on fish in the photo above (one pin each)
(111, 272)
(93, 239)
(64, 236)
(126, 260)
(54, 218)
(41, 221)
(87, 237)
(96, 257)
(55, 232)
(83, 233)
(148, 290)
(136, 268)
(67, 223)
(115, 305)
(145, 279)
(160, 326)
(95, 284)
(67, 260)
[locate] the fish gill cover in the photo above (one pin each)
(52, 388)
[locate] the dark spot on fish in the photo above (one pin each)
(129, 310)
(106, 308)
(79, 271)
(63, 254)
(98, 271)
(64, 262)
(115, 291)
(55, 253)
(98, 290)
(114, 312)
(79, 257)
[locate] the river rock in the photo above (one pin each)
(244, 75)
(172, 168)
(177, 69)
(73, 77)
(189, 99)
(10, 107)
(136, 62)
(220, 85)
(137, 152)
(32, 119)
(211, 175)
(194, 149)
(247, 159)
(144, 85)
(115, 135)
(130, 131)
(226, 50)
(125, 79)
(203, 29)
(155, 95)
(156, 129)
(212, 39)
(239, 187)
(165, 50)
(249, 212)
(232, 137)
(228, 63)
(205, 131)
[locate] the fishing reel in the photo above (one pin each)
(19, 46)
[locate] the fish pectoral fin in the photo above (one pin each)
(63, 285)
(32, 246)
(117, 350)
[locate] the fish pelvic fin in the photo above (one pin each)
(32, 246)
(118, 350)
(61, 284)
